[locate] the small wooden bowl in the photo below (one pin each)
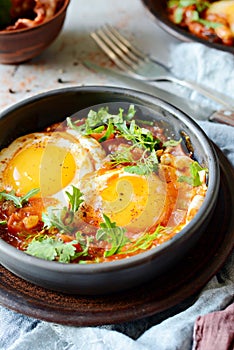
(21, 45)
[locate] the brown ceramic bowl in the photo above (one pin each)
(21, 45)
(37, 112)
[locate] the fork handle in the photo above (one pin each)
(207, 92)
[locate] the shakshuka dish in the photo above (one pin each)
(97, 189)
(209, 20)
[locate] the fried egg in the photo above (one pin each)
(133, 201)
(51, 161)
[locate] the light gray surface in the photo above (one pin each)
(63, 61)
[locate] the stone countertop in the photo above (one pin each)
(61, 64)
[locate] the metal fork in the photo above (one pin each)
(137, 64)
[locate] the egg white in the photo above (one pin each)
(85, 156)
(132, 201)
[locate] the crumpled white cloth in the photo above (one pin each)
(208, 67)
(172, 329)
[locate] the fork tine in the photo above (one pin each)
(127, 43)
(116, 49)
(118, 40)
(109, 52)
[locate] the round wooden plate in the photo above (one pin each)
(162, 293)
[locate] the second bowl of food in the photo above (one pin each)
(101, 188)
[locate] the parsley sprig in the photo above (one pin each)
(49, 248)
(53, 248)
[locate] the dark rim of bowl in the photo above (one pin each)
(200, 218)
(17, 31)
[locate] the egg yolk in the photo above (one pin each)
(134, 201)
(48, 167)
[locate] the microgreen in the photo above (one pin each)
(145, 241)
(60, 219)
(113, 234)
(137, 135)
(18, 201)
(145, 166)
(75, 198)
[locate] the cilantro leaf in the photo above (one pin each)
(51, 248)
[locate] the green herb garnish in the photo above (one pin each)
(75, 198)
(194, 178)
(112, 234)
(97, 121)
(145, 241)
(50, 249)
(62, 219)
(3, 222)
(18, 201)
(138, 136)
(172, 143)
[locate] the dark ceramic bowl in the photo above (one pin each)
(39, 111)
(21, 45)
